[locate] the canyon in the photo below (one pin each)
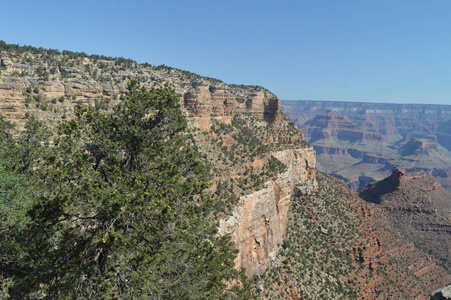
(362, 142)
(50, 90)
(300, 234)
(339, 246)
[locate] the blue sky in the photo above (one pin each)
(363, 50)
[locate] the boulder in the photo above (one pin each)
(6, 62)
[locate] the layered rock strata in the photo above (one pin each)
(205, 100)
(50, 86)
(362, 142)
(415, 205)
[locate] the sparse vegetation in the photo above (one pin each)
(108, 209)
(114, 201)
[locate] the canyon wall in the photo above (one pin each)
(259, 222)
(362, 142)
(24, 90)
(263, 174)
(416, 206)
(50, 87)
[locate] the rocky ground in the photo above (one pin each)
(415, 205)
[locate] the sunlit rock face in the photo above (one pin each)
(206, 103)
(50, 87)
(259, 222)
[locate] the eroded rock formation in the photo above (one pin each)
(442, 294)
(242, 134)
(206, 101)
(50, 88)
(362, 142)
(259, 222)
(416, 206)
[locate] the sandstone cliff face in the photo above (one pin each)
(242, 134)
(205, 100)
(259, 222)
(49, 87)
(11, 99)
(206, 103)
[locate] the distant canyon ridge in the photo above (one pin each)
(362, 142)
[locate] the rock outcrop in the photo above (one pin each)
(205, 101)
(338, 247)
(416, 206)
(398, 177)
(442, 294)
(259, 222)
(11, 98)
(264, 184)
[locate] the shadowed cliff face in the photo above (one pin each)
(444, 134)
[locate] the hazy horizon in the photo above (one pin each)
(365, 102)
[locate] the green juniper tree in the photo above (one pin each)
(15, 200)
(119, 212)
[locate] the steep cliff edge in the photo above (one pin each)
(258, 224)
(255, 172)
(49, 85)
(302, 237)
(339, 247)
